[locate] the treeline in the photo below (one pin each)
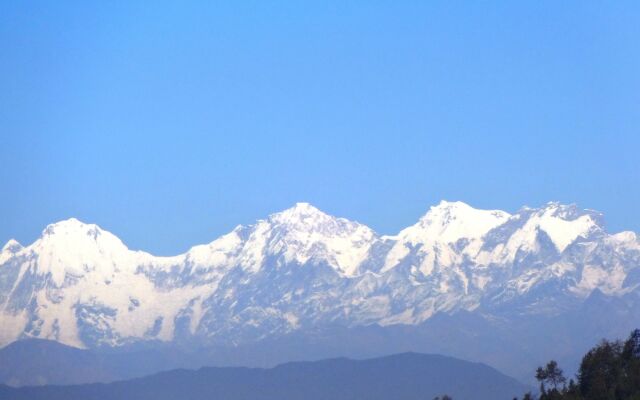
(609, 371)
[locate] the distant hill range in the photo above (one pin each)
(408, 376)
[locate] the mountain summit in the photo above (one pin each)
(451, 221)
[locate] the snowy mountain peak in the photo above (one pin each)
(71, 247)
(12, 246)
(9, 250)
(527, 230)
(564, 211)
(564, 224)
(558, 210)
(303, 213)
(71, 226)
(303, 207)
(626, 237)
(304, 218)
(451, 221)
(76, 236)
(303, 234)
(441, 235)
(445, 204)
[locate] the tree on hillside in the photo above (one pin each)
(600, 372)
(609, 371)
(552, 375)
(631, 366)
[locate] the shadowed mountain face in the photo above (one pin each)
(403, 376)
(40, 362)
(483, 285)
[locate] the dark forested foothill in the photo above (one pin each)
(407, 376)
(609, 371)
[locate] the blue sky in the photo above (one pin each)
(170, 124)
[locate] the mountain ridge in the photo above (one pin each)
(300, 268)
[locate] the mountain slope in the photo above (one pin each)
(403, 376)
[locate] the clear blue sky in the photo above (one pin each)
(168, 124)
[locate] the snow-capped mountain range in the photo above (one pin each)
(301, 268)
